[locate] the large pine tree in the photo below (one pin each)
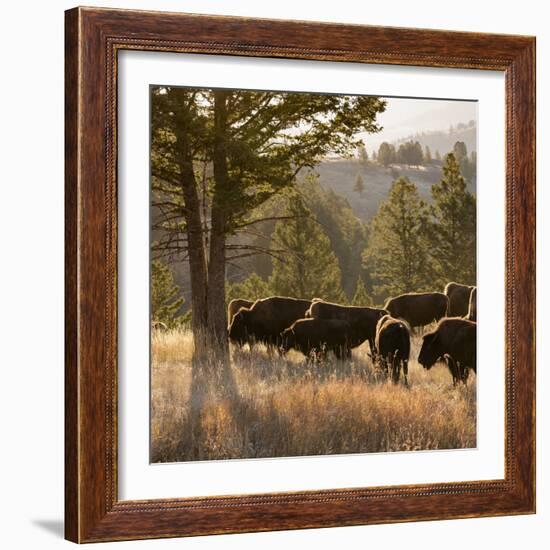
(310, 268)
(216, 156)
(397, 255)
(453, 226)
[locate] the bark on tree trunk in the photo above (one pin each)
(207, 278)
(217, 322)
(196, 251)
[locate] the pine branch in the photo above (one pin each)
(270, 218)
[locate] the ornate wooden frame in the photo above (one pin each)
(93, 38)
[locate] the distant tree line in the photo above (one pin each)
(411, 153)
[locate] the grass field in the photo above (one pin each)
(274, 406)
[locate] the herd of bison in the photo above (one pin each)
(317, 327)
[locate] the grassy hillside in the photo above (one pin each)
(340, 176)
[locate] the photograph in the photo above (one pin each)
(312, 274)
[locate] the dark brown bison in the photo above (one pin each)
(362, 320)
(316, 337)
(459, 299)
(453, 341)
(393, 346)
(418, 309)
(234, 306)
(472, 309)
(265, 320)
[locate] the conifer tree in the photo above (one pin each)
(397, 255)
(386, 154)
(252, 288)
(363, 155)
(310, 268)
(460, 151)
(361, 298)
(427, 155)
(217, 156)
(410, 153)
(453, 226)
(346, 232)
(165, 299)
(359, 185)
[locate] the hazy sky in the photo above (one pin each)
(404, 116)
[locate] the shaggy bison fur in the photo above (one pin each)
(454, 341)
(362, 320)
(234, 306)
(393, 347)
(265, 320)
(459, 299)
(418, 309)
(316, 337)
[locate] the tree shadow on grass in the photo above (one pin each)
(221, 421)
(233, 411)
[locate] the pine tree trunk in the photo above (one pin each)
(217, 322)
(195, 246)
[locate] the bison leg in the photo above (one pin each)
(406, 372)
(454, 369)
(395, 368)
(372, 348)
(465, 372)
(342, 352)
(387, 363)
(379, 363)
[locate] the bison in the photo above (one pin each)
(454, 341)
(393, 346)
(459, 299)
(316, 337)
(418, 309)
(265, 320)
(362, 320)
(234, 306)
(472, 309)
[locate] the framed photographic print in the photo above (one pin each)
(300, 275)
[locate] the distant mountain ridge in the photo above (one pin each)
(443, 141)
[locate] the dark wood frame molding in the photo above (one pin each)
(93, 38)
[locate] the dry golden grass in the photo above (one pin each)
(284, 407)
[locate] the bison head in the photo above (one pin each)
(431, 350)
(239, 328)
(288, 340)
